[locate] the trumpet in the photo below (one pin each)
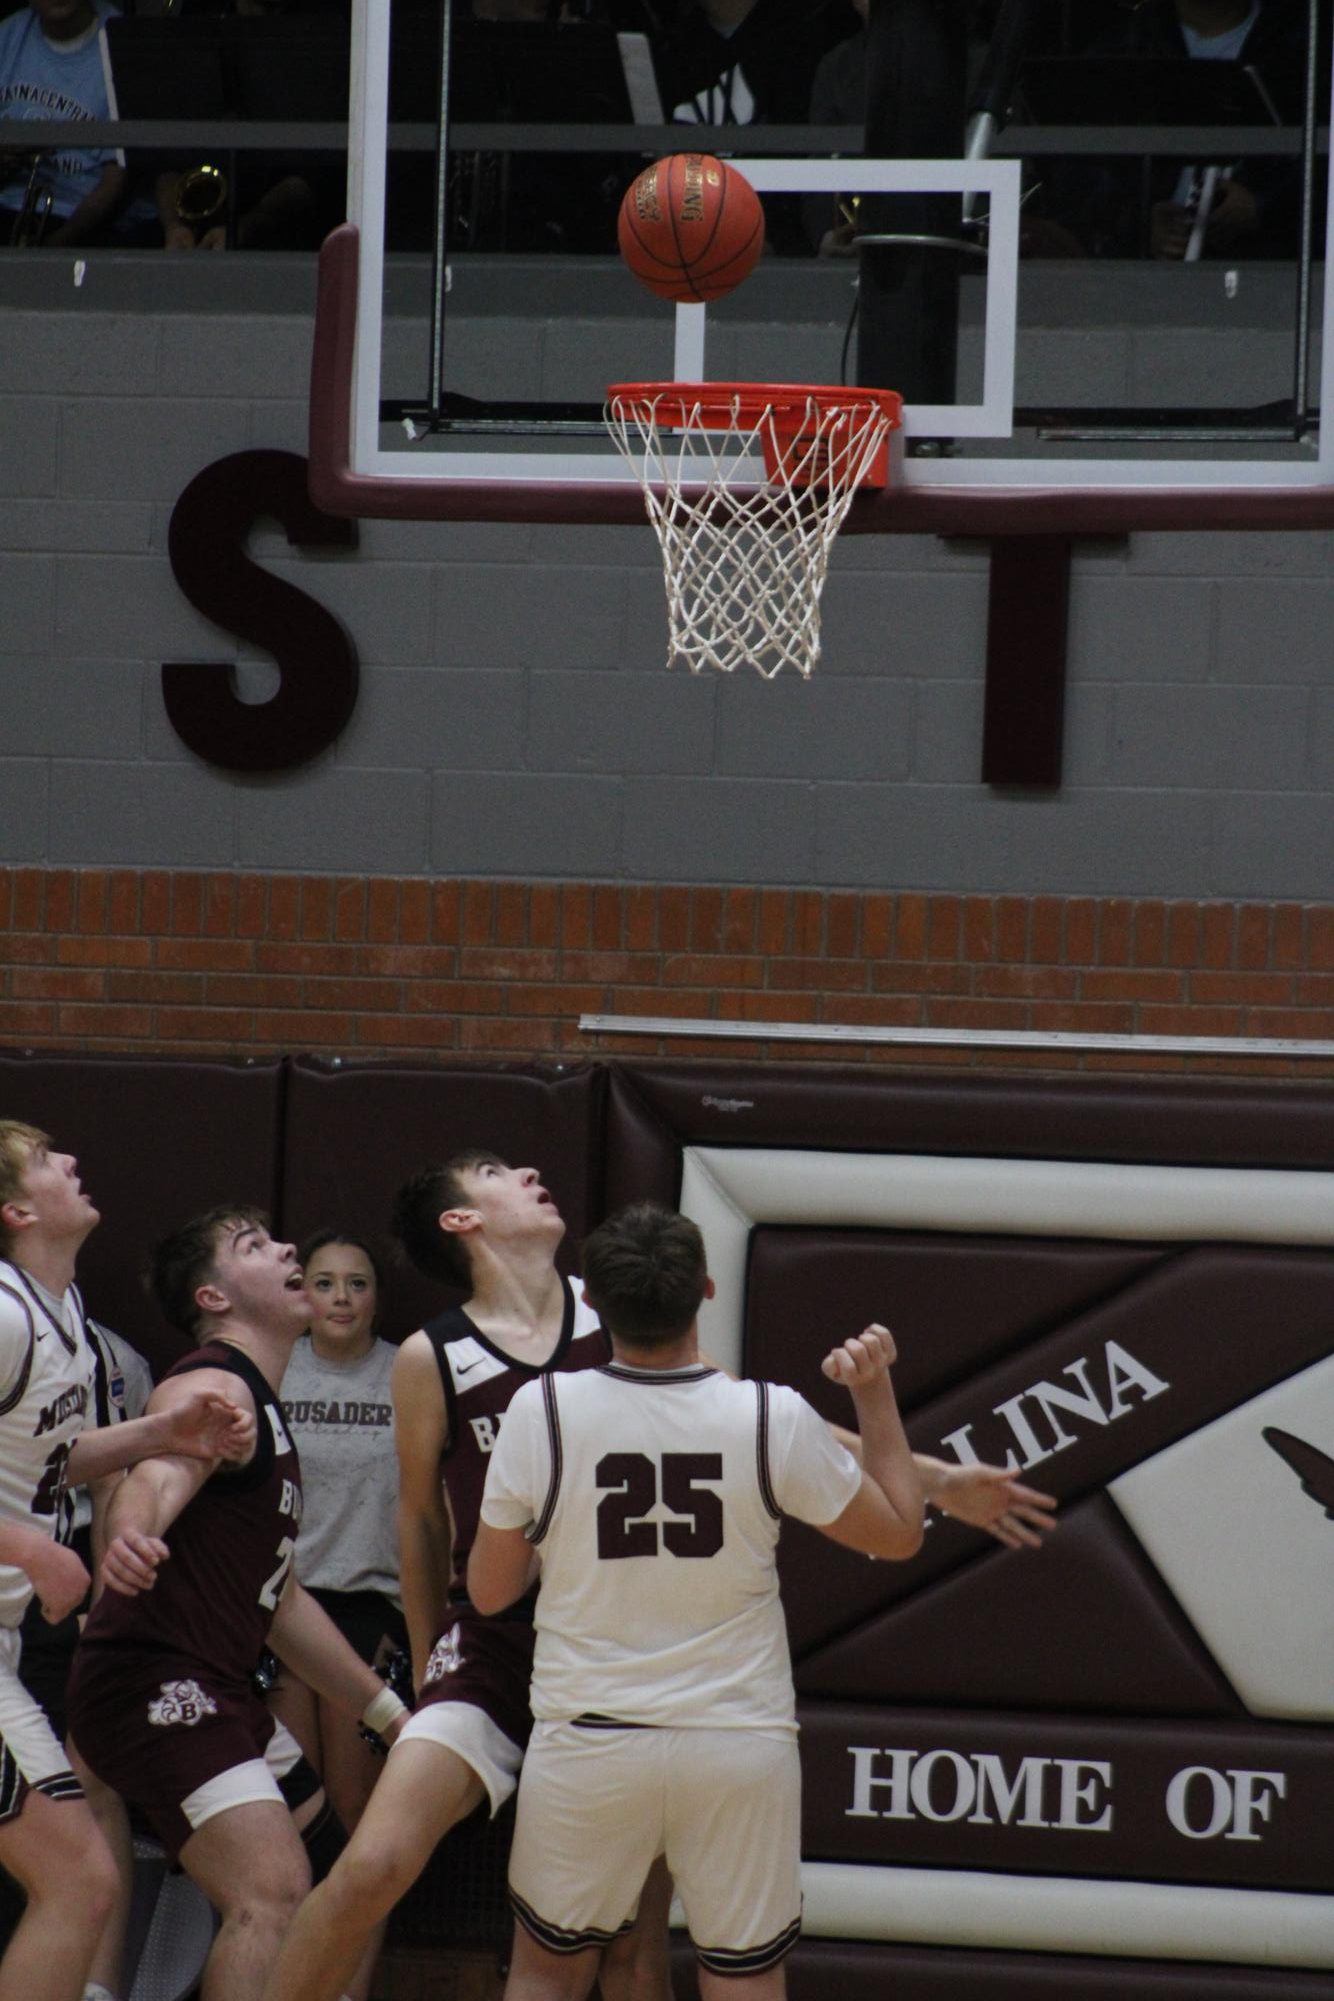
(201, 198)
(34, 211)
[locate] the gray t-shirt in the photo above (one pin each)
(341, 1418)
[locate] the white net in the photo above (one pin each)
(745, 562)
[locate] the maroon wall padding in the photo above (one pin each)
(1191, 1320)
(1081, 1624)
(999, 1663)
(654, 1110)
(1120, 1768)
(356, 1131)
(954, 1303)
(1033, 1667)
(157, 1142)
(836, 1970)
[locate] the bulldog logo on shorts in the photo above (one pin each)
(182, 1702)
(445, 1658)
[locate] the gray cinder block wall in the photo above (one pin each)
(516, 717)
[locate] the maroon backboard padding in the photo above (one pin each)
(655, 1109)
(844, 1970)
(852, 1812)
(157, 1142)
(1192, 1322)
(1063, 510)
(1082, 1624)
(954, 1303)
(356, 1131)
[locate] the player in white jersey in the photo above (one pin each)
(652, 1492)
(49, 1841)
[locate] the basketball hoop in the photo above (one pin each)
(745, 560)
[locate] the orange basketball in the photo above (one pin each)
(691, 227)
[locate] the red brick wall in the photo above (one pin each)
(152, 960)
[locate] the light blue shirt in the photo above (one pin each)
(41, 79)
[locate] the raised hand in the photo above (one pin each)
(858, 1363)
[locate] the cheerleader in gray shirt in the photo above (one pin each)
(337, 1406)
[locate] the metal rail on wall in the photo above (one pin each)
(258, 135)
(954, 1038)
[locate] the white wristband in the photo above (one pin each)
(382, 1710)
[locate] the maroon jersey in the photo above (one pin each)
(231, 1550)
(480, 1380)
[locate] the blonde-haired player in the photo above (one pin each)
(49, 1840)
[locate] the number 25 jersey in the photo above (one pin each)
(654, 1498)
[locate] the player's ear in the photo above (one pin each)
(210, 1298)
(710, 1289)
(458, 1222)
(16, 1215)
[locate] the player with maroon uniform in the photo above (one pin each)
(478, 1222)
(199, 1570)
(494, 1228)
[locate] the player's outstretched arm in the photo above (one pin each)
(188, 1416)
(421, 1432)
(56, 1574)
(990, 1498)
(986, 1497)
(142, 1509)
(885, 1516)
(307, 1641)
(157, 1489)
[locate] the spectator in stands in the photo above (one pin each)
(838, 97)
(1254, 209)
(338, 1408)
(280, 217)
(743, 62)
(748, 62)
(53, 65)
(282, 200)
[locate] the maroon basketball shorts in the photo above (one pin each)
(177, 1742)
(474, 1699)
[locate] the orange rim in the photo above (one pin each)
(790, 445)
(719, 403)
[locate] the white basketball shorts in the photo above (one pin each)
(31, 1756)
(598, 1802)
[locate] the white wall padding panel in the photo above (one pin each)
(1245, 1551)
(1068, 1914)
(728, 1190)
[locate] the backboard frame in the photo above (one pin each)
(352, 472)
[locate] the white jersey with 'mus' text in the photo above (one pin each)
(46, 1376)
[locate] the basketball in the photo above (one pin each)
(691, 228)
